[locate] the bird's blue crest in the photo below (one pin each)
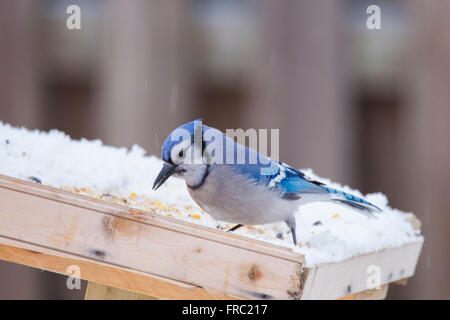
(185, 131)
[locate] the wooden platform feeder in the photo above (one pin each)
(126, 254)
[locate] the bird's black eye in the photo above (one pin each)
(181, 154)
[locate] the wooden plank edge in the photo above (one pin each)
(371, 294)
(101, 273)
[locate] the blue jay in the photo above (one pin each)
(237, 184)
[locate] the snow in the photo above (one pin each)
(326, 232)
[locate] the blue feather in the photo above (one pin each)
(282, 178)
(350, 199)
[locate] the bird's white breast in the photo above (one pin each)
(234, 198)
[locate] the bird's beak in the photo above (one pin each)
(166, 171)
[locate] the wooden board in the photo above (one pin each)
(102, 273)
(156, 245)
(163, 257)
(351, 276)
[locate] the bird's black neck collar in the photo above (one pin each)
(202, 181)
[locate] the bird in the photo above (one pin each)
(239, 185)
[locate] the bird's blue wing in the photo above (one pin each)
(280, 177)
(291, 182)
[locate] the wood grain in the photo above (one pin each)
(96, 291)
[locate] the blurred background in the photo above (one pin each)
(367, 108)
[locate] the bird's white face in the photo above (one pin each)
(181, 153)
(189, 163)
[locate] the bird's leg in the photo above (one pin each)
(291, 224)
(294, 236)
(235, 228)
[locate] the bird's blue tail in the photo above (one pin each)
(352, 201)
